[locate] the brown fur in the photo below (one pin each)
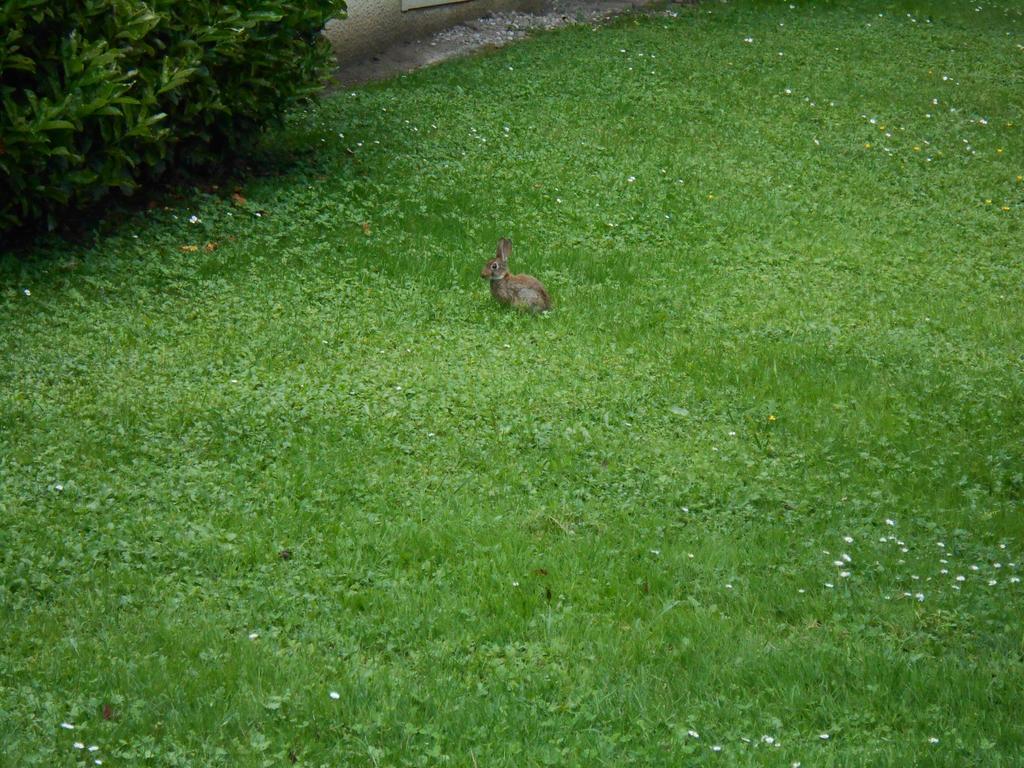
(519, 291)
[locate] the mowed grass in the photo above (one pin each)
(751, 495)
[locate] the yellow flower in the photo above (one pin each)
(771, 417)
(999, 151)
(917, 149)
(866, 145)
(1006, 207)
(987, 201)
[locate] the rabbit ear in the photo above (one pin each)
(504, 248)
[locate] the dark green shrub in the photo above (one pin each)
(104, 94)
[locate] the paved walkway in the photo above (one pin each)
(493, 30)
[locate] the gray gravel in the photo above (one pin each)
(493, 30)
(500, 28)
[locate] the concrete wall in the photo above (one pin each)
(373, 25)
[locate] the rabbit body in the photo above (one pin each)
(519, 291)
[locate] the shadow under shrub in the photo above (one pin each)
(97, 95)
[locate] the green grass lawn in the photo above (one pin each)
(751, 495)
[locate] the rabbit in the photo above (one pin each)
(520, 291)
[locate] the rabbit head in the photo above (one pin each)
(497, 268)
